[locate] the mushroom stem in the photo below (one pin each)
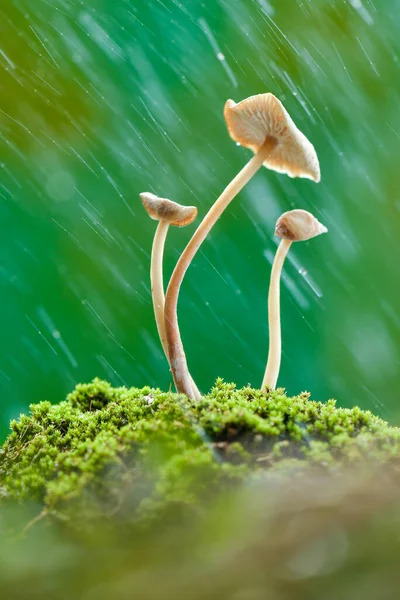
(174, 342)
(157, 289)
(156, 278)
(274, 318)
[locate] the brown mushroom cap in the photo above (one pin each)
(255, 119)
(162, 209)
(298, 225)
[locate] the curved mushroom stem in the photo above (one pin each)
(274, 318)
(157, 289)
(175, 347)
(156, 279)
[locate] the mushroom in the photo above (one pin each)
(254, 120)
(166, 213)
(262, 124)
(293, 226)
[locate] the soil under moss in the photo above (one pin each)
(140, 453)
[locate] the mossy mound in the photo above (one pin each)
(135, 452)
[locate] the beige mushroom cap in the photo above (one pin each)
(298, 225)
(162, 209)
(253, 120)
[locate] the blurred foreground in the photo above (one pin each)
(309, 538)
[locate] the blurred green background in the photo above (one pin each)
(103, 99)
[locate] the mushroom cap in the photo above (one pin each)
(162, 209)
(259, 117)
(298, 225)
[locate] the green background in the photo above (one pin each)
(101, 100)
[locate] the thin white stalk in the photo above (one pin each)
(156, 279)
(175, 347)
(157, 289)
(274, 318)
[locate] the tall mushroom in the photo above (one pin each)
(262, 124)
(293, 226)
(166, 213)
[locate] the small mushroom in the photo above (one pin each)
(262, 124)
(293, 226)
(166, 213)
(257, 118)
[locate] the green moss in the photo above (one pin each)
(107, 451)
